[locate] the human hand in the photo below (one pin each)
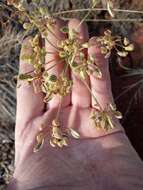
(99, 160)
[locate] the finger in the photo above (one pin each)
(80, 94)
(53, 60)
(101, 88)
(29, 103)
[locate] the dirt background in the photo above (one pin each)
(129, 100)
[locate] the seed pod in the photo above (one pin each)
(104, 50)
(39, 143)
(52, 78)
(27, 26)
(62, 54)
(129, 47)
(60, 143)
(112, 106)
(107, 33)
(122, 53)
(103, 123)
(82, 74)
(126, 41)
(25, 77)
(43, 10)
(85, 45)
(56, 133)
(55, 123)
(81, 56)
(74, 134)
(52, 143)
(118, 114)
(98, 72)
(110, 8)
(64, 29)
(65, 141)
(109, 119)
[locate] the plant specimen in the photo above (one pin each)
(37, 16)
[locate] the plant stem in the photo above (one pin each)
(107, 20)
(50, 61)
(51, 67)
(59, 108)
(92, 94)
(96, 9)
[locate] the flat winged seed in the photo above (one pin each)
(82, 75)
(129, 47)
(25, 77)
(104, 50)
(85, 45)
(39, 143)
(27, 26)
(65, 141)
(107, 55)
(64, 29)
(98, 72)
(103, 124)
(52, 78)
(112, 106)
(122, 53)
(107, 33)
(43, 10)
(118, 114)
(74, 134)
(62, 54)
(110, 8)
(56, 133)
(74, 64)
(92, 58)
(52, 143)
(96, 106)
(126, 41)
(60, 144)
(55, 123)
(94, 2)
(110, 122)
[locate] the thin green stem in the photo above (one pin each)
(53, 65)
(84, 18)
(35, 23)
(59, 108)
(92, 94)
(51, 43)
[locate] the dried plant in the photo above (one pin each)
(109, 42)
(36, 15)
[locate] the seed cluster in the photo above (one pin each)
(58, 137)
(109, 43)
(104, 119)
(52, 86)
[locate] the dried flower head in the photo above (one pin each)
(72, 51)
(104, 119)
(109, 42)
(52, 86)
(58, 138)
